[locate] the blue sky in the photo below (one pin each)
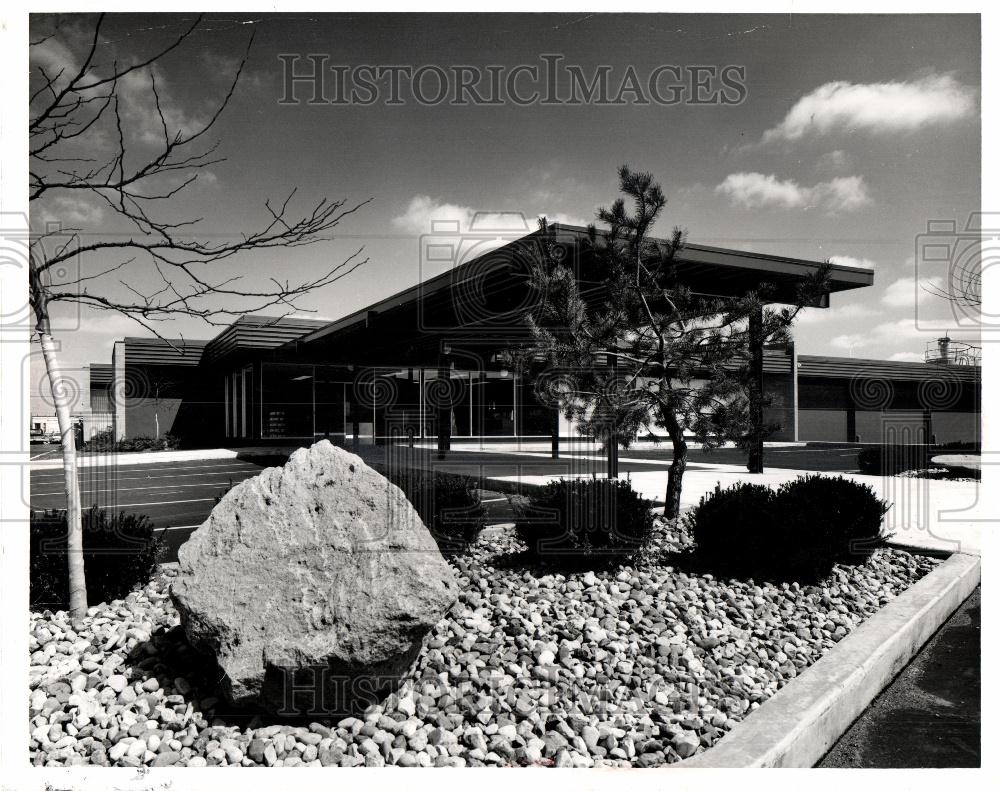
(854, 133)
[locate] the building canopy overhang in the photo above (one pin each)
(480, 304)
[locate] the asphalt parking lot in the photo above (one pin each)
(930, 716)
(178, 496)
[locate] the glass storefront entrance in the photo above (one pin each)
(315, 400)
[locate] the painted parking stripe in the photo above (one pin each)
(166, 465)
(152, 468)
(119, 489)
(147, 477)
(162, 502)
(165, 502)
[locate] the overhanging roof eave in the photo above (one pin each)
(843, 278)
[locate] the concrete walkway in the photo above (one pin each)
(928, 514)
(938, 515)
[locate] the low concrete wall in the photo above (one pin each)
(798, 725)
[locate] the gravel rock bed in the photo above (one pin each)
(634, 666)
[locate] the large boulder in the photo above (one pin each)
(313, 584)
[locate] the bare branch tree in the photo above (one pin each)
(964, 287)
(79, 146)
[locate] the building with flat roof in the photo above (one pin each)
(427, 362)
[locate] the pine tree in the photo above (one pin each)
(625, 346)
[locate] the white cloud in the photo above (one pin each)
(55, 59)
(134, 90)
(69, 212)
(907, 357)
(424, 213)
(847, 311)
(834, 161)
(901, 332)
(848, 260)
(756, 189)
(752, 190)
(844, 193)
(878, 108)
(906, 292)
(115, 325)
(140, 113)
(564, 219)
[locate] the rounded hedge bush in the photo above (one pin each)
(119, 554)
(449, 505)
(798, 531)
(847, 511)
(733, 528)
(588, 521)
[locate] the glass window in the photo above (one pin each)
(397, 394)
(452, 392)
(497, 393)
(534, 419)
(331, 409)
(286, 400)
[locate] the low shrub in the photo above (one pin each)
(798, 531)
(587, 521)
(104, 441)
(848, 512)
(140, 444)
(892, 459)
(957, 445)
(449, 505)
(734, 528)
(119, 554)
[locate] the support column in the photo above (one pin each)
(554, 431)
(480, 403)
(444, 407)
(755, 457)
(613, 454)
(795, 394)
(612, 441)
(118, 390)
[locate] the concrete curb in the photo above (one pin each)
(797, 726)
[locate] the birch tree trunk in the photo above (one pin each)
(74, 522)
